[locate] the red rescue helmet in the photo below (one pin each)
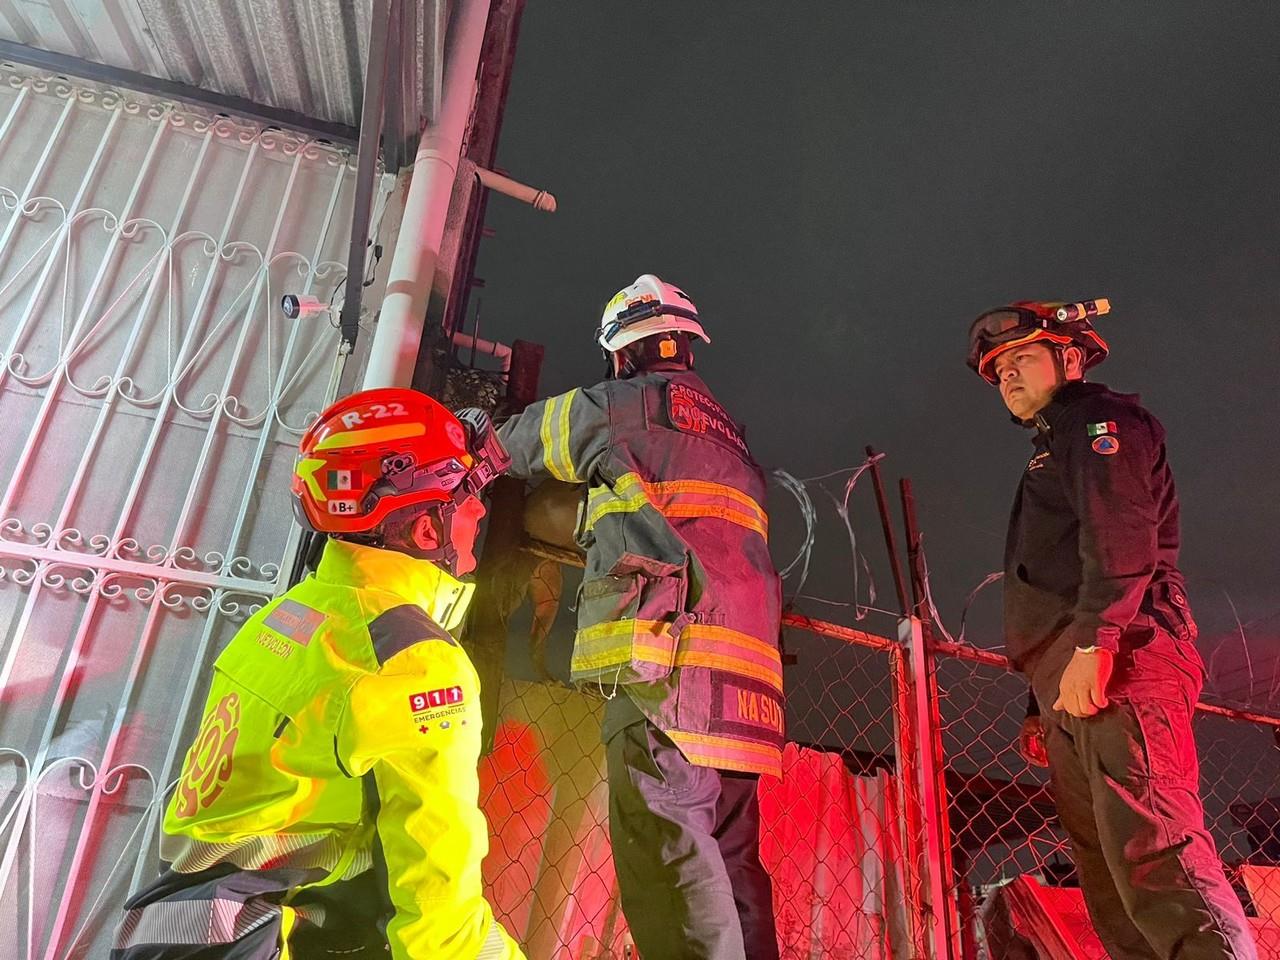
(1030, 321)
(380, 451)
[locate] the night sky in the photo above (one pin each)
(842, 187)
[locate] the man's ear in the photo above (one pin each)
(425, 536)
(1073, 363)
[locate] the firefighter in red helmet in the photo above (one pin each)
(1096, 615)
(678, 623)
(328, 804)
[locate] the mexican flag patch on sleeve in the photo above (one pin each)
(1099, 429)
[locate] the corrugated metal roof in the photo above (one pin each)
(307, 56)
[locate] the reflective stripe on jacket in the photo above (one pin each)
(341, 733)
(680, 603)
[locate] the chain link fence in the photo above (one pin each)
(846, 834)
(1013, 876)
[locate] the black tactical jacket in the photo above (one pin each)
(1093, 537)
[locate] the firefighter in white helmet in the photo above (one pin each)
(328, 804)
(678, 624)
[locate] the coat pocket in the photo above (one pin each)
(629, 621)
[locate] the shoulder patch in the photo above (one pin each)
(1107, 445)
(294, 620)
(400, 628)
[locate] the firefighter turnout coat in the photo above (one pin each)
(339, 744)
(680, 603)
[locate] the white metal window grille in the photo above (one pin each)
(151, 396)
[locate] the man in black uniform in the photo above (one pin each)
(1096, 616)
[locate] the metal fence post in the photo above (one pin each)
(935, 866)
(908, 780)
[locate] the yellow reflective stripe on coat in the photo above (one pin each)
(727, 753)
(619, 642)
(602, 501)
(696, 499)
(556, 454)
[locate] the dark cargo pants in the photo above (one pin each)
(686, 846)
(1126, 786)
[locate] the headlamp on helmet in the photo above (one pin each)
(1055, 323)
(647, 307)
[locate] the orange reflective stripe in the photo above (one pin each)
(731, 664)
(1032, 337)
(720, 648)
(710, 511)
(708, 488)
(679, 498)
(617, 642)
(735, 638)
(726, 753)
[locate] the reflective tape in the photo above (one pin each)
(728, 753)
(554, 433)
(354, 438)
(617, 643)
(692, 499)
(193, 922)
(719, 648)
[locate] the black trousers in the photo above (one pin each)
(686, 846)
(1126, 786)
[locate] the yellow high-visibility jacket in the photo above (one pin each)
(341, 735)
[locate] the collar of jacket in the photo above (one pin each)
(1067, 394)
(420, 582)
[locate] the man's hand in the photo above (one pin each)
(1083, 690)
(1031, 742)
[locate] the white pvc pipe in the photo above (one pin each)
(538, 199)
(465, 341)
(394, 350)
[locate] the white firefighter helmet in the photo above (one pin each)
(648, 306)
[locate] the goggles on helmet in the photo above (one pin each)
(1062, 324)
